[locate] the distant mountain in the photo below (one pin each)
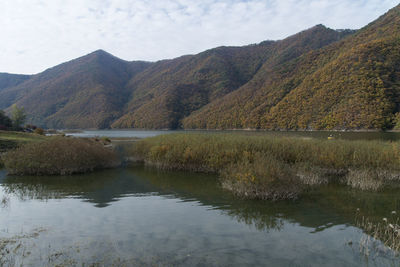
(87, 92)
(317, 79)
(9, 80)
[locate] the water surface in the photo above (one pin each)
(138, 216)
(387, 136)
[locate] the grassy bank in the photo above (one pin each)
(11, 140)
(59, 156)
(266, 167)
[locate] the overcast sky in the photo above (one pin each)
(38, 34)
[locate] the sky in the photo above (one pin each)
(39, 34)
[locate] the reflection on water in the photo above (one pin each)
(100, 188)
(176, 218)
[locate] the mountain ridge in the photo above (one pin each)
(295, 112)
(316, 79)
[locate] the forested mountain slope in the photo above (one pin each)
(350, 84)
(9, 80)
(168, 91)
(87, 92)
(317, 79)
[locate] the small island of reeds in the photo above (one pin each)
(270, 167)
(59, 156)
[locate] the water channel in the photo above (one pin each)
(140, 216)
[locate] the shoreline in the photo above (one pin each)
(230, 129)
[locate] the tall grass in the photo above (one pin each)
(386, 231)
(254, 166)
(59, 156)
(262, 177)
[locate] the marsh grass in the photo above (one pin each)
(10, 140)
(263, 177)
(59, 156)
(380, 236)
(5, 201)
(15, 245)
(254, 166)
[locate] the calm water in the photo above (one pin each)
(139, 216)
(393, 136)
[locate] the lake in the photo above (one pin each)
(140, 216)
(386, 136)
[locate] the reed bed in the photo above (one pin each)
(268, 167)
(59, 156)
(384, 233)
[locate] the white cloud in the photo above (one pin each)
(37, 34)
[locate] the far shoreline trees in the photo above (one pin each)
(13, 122)
(5, 121)
(18, 117)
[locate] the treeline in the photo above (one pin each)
(5, 121)
(15, 121)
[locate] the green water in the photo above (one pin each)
(138, 216)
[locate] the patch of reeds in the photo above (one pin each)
(367, 165)
(262, 177)
(380, 236)
(59, 156)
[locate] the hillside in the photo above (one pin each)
(351, 84)
(10, 80)
(87, 92)
(317, 79)
(169, 90)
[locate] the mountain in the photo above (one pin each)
(350, 84)
(87, 92)
(9, 80)
(170, 90)
(317, 79)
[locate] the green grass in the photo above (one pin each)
(266, 167)
(9, 137)
(10, 140)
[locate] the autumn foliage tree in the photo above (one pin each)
(18, 116)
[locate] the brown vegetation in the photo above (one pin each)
(39, 131)
(386, 232)
(59, 156)
(268, 167)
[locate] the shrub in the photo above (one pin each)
(262, 178)
(39, 131)
(59, 156)
(106, 140)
